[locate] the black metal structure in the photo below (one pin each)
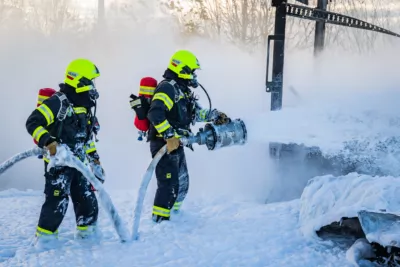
(321, 16)
(320, 25)
(297, 163)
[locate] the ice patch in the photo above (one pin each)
(382, 228)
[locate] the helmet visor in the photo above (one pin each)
(86, 85)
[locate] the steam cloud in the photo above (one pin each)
(338, 84)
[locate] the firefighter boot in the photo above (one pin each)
(176, 208)
(88, 232)
(45, 239)
(159, 219)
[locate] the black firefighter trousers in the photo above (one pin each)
(172, 180)
(62, 182)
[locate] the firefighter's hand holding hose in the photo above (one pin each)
(51, 147)
(172, 139)
(172, 144)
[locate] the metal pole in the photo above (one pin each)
(278, 56)
(320, 26)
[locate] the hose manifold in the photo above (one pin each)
(218, 136)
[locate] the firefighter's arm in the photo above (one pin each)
(90, 146)
(162, 102)
(94, 160)
(42, 117)
(201, 114)
(91, 150)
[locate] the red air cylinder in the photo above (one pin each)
(146, 89)
(44, 94)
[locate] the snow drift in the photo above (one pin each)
(355, 207)
(328, 199)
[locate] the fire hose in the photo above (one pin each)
(36, 151)
(213, 136)
(64, 157)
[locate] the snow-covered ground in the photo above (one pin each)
(208, 232)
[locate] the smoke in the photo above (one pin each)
(339, 97)
(235, 80)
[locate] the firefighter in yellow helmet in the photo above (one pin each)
(67, 118)
(173, 108)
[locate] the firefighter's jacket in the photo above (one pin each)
(173, 108)
(56, 119)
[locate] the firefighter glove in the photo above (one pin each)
(97, 170)
(140, 105)
(221, 118)
(172, 144)
(96, 125)
(52, 147)
(135, 101)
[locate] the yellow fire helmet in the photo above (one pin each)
(80, 74)
(184, 63)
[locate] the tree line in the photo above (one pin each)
(245, 23)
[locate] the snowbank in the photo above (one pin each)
(327, 199)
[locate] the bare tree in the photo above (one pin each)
(52, 17)
(215, 13)
(245, 22)
(191, 15)
(11, 14)
(378, 12)
(253, 24)
(132, 10)
(372, 11)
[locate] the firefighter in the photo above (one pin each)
(173, 108)
(67, 118)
